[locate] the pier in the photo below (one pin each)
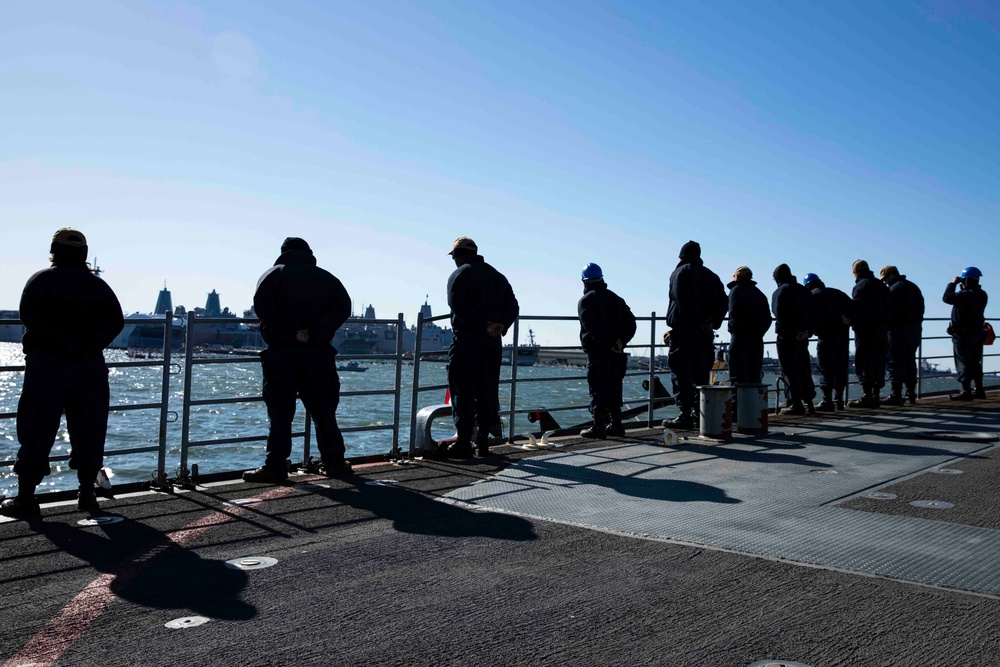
(858, 538)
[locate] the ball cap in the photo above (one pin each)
(68, 236)
(463, 244)
(888, 270)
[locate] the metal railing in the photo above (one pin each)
(169, 367)
(166, 415)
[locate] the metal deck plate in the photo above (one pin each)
(762, 497)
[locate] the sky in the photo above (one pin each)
(188, 140)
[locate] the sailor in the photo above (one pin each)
(833, 333)
(300, 307)
(70, 315)
(870, 322)
(906, 316)
(794, 318)
(606, 327)
(483, 307)
(968, 309)
(749, 320)
(697, 307)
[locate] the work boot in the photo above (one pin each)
(826, 405)
(895, 396)
(337, 469)
(840, 399)
(796, 408)
(911, 395)
(868, 400)
(86, 500)
(964, 395)
(615, 428)
(980, 393)
(683, 421)
(599, 430)
(266, 475)
(810, 408)
(22, 506)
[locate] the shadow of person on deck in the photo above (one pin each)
(151, 570)
(671, 490)
(414, 512)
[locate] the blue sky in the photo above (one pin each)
(188, 140)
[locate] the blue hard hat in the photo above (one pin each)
(591, 272)
(809, 278)
(971, 272)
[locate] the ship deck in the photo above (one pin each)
(798, 547)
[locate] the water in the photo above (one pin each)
(140, 428)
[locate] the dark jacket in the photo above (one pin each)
(605, 318)
(793, 310)
(831, 306)
(968, 308)
(70, 312)
(697, 297)
(906, 304)
(479, 294)
(295, 294)
(871, 304)
(749, 315)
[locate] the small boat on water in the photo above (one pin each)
(352, 367)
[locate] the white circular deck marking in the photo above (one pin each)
(251, 563)
(239, 502)
(948, 471)
(932, 504)
(881, 495)
(382, 482)
(99, 521)
(186, 622)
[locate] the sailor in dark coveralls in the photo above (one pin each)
(906, 316)
(749, 320)
(483, 307)
(833, 347)
(606, 327)
(697, 306)
(871, 334)
(70, 315)
(300, 307)
(968, 308)
(794, 320)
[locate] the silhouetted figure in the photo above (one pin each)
(792, 305)
(70, 315)
(906, 316)
(833, 345)
(968, 315)
(749, 320)
(870, 322)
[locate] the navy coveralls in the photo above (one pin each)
(749, 320)
(605, 318)
(968, 313)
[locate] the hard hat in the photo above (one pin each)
(971, 272)
(591, 272)
(809, 278)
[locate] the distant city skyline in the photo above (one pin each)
(187, 140)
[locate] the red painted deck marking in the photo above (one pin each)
(69, 624)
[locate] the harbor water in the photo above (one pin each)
(139, 428)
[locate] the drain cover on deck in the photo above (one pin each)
(186, 622)
(947, 471)
(932, 504)
(251, 563)
(99, 521)
(882, 495)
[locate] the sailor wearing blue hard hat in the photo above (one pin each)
(968, 318)
(606, 327)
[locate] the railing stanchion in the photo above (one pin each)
(652, 369)
(513, 384)
(397, 395)
(160, 478)
(415, 395)
(182, 468)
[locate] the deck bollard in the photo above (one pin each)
(751, 409)
(715, 411)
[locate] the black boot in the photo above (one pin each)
(868, 400)
(683, 421)
(827, 404)
(911, 394)
(22, 506)
(979, 393)
(895, 396)
(796, 408)
(615, 428)
(840, 398)
(599, 430)
(964, 395)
